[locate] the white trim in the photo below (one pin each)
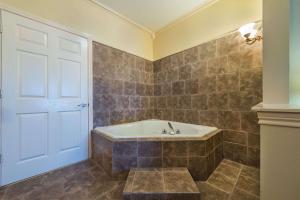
(277, 120)
(278, 115)
(261, 107)
(124, 18)
(43, 21)
(1, 66)
(169, 25)
(90, 92)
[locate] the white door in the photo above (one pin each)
(44, 105)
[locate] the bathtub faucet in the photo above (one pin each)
(171, 127)
(173, 132)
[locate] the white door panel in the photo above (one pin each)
(70, 130)
(44, 81)
(31, 35)
(32, 74)
(72, 91)
(70, 46)
(70, 80)
(33, 142)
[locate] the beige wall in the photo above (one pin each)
(107, 28)
(280, 166)
(207, 24)
(85, 16)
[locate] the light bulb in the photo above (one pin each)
(248, 31)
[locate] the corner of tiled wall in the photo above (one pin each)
(214, 84)
(123, 86)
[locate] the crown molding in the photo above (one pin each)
(169, 25)
(278, 115)
(187, 15)
(124, 18)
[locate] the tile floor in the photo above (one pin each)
(87, 181)
(160, 184)
(231, 181)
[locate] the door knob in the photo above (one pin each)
(83, 105)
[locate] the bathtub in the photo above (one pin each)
(153, 129)
(119, 148)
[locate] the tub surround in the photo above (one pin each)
(215, 84)
(123, 86)
(156, 130)
(117, 157)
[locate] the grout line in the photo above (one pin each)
(224, 174)
(231, 165)
(108, 191)
(257, 181)
(5, 193)
(235, 183)
(133, 182)
(251, 194)
(163, 179)
(216, 187)
(162, 154)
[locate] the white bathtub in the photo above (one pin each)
(152, 129)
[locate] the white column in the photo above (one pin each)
(280, 153)
(279, 114)
(276, 16)
(281, 23)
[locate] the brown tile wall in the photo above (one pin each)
(215, 84)
(201, 157)
(123, 86)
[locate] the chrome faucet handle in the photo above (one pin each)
(178, 131)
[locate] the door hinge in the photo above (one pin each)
(0, 158)
(0, 94)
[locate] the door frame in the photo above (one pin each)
(89, 63)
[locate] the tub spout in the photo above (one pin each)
(171, 127)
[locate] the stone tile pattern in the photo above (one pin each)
(215, 84)
(231, 181)
(160, 183)
(118, 157)
(122, 86)
(84, 180)
(88, 181)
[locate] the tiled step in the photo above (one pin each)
(160, 184)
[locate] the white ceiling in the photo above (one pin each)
(153, 14)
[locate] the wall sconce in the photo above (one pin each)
(249, 33)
